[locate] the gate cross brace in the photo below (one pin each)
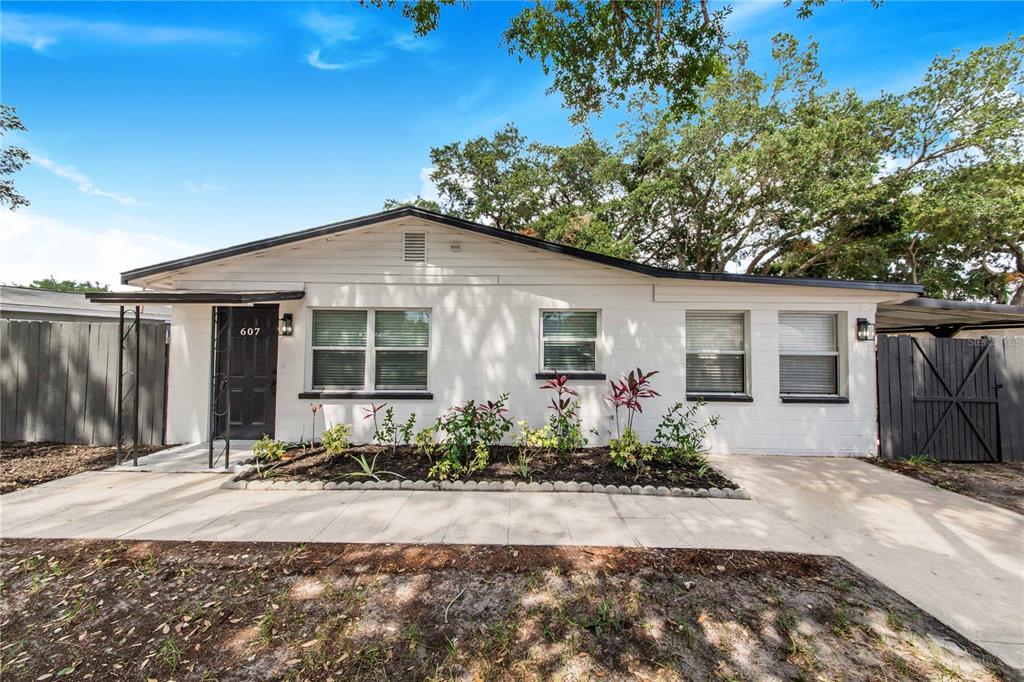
(956, 399)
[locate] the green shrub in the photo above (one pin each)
(564, 419)
(335, 439)
(268, 450)
(527, 442)
(465, 434)
(627, 451)
(680, 435)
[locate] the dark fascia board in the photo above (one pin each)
(966, 306)
(458, 223)
(142, 297)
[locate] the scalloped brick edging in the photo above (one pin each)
(236, 483)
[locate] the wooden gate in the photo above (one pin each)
(950, 399)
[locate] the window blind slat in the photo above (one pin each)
(808, 374)
(402, 328)
(406, 369)
(714, 331)
(339, 368)
(580, 356)
(339, 327)
(807, 332)
(715, 373)
(570, 325)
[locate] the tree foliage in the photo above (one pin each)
(68, 285)
(779, 174)
(12, 160)
(602, 54)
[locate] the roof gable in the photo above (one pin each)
(568, 251)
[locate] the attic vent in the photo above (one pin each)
(414, 248)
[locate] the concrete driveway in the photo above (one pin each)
(961, 560)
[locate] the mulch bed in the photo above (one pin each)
(105, 610)
(26, 464)
(998, 483)
(591, 465)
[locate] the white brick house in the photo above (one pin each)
(425, 311)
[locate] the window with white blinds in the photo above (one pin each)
(808, 353)
(569, 339)
(354, 348)
(716, 353)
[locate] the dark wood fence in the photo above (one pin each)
(951, 399)
(58, 382)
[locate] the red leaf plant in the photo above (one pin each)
(628, 392)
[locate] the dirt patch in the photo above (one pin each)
(593, 465)
(26, 464)
(242, 611)
(998, 483)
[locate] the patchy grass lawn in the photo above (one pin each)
(592, 464)
(998, 483)
(26, 464)
(240, 611)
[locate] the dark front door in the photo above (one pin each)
(247, 371)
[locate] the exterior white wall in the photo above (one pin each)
(485, 301)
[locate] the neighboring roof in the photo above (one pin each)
(934, 314)
(34, 303)
(123, 297)
(458, 223)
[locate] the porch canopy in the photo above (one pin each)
(207, 297)
(943, 318)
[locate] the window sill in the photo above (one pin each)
(349, 395)
(598, 376)
(720, 397)
(832, 399)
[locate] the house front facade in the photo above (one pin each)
(425, 311)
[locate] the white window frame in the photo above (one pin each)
(596, 339)
(745, 352)
(842, 333)
(370, 365)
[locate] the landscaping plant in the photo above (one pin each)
(565, 416)
(371, 413)
(527, 443)
(368, 469)
(267, 451)
(680, 435)
(465, 434)
(335, 439)
(627, 394)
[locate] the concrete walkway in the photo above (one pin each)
(961, 560)
(193, 458)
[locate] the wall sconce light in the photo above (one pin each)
(284, 325)
(865, 329)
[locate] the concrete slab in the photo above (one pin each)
(194, 458)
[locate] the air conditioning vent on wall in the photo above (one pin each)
(414, 248)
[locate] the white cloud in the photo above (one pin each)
(193, 187)
(36, 246)
(353, 43)
(41, 31)
(330, 28)
(428, 190)
(313, 59)
(84, 184)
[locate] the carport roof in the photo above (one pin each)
(944, 318)
(222, 297)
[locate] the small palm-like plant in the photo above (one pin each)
(628, 393)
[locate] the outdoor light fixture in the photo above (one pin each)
(865, 329)
(284, 325)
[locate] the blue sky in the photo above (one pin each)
(160, 129)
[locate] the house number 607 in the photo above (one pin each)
(250, 331)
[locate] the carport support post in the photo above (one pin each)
(120, 380)
(138, 394)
